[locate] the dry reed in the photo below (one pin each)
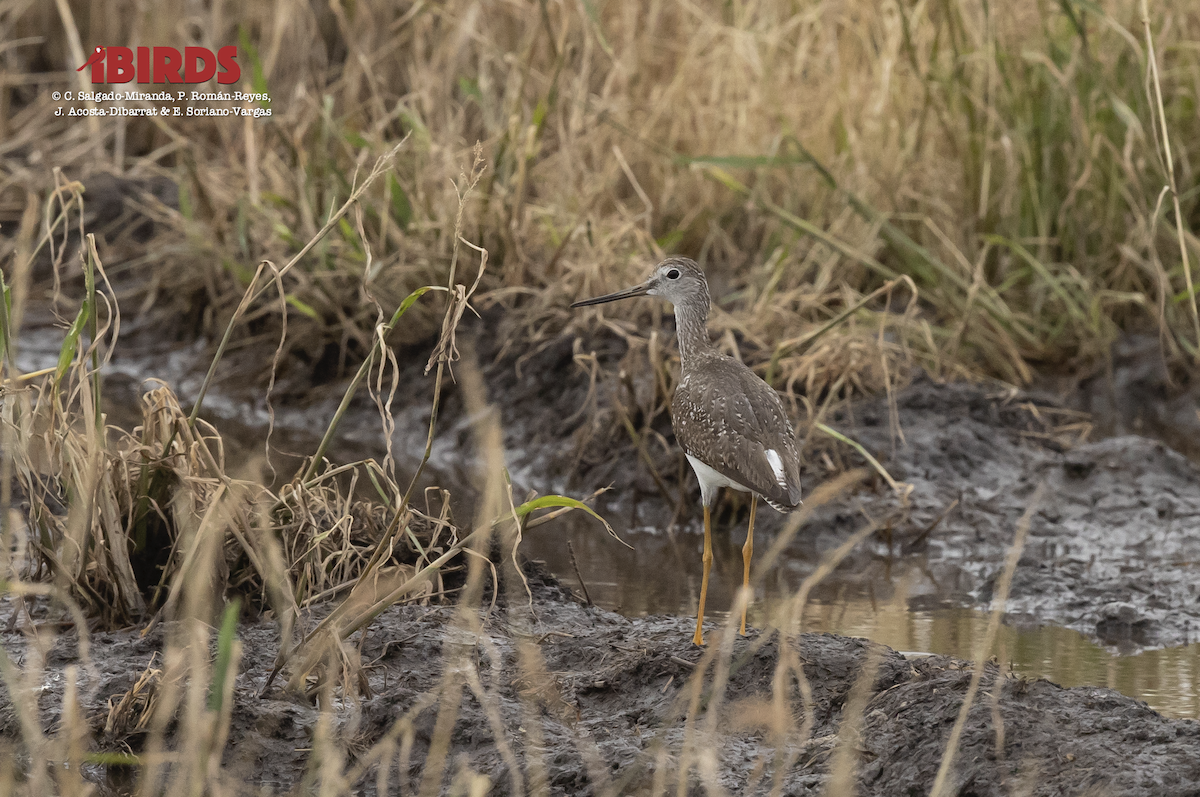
(964, 187)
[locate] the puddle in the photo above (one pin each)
(662, 573)
(662, 576)
(1167, 679)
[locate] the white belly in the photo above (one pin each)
(711, 481)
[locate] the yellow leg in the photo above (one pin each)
(708, 557)
(747, 552)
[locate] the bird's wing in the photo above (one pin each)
(735, 423)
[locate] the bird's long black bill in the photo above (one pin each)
(628, 293)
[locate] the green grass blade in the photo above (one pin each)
(402, 210)
(71, 343)
(225, 640)
(857, 446)
(562, 501)
(5, 319)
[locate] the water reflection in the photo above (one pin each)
(1166, 679)
(662, 575)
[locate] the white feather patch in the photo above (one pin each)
(776, 463)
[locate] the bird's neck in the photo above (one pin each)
(691, 326)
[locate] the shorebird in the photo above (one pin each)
(730, 423)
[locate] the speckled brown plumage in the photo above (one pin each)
(730, 423)
(728, 418)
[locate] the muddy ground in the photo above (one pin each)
(1112, 551)
(609, 710)
(1114, 546)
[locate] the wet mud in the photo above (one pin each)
(1112, 552)
(585, 701)
(1113, 548)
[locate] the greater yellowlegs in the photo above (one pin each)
(731, 424)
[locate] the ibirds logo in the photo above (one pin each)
(163, 65)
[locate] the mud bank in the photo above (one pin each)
(1113, 549)
(583, 701)
(587, 701)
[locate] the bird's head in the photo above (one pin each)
(679, 280)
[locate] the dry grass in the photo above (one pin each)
(973, 188)
(1006, 160)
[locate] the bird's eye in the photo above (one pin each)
(673, 274)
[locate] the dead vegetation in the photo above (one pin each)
(974, 189)
(1010, 163)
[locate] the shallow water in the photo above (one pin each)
(662, 576)
(1167, 678)
(662, 573)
